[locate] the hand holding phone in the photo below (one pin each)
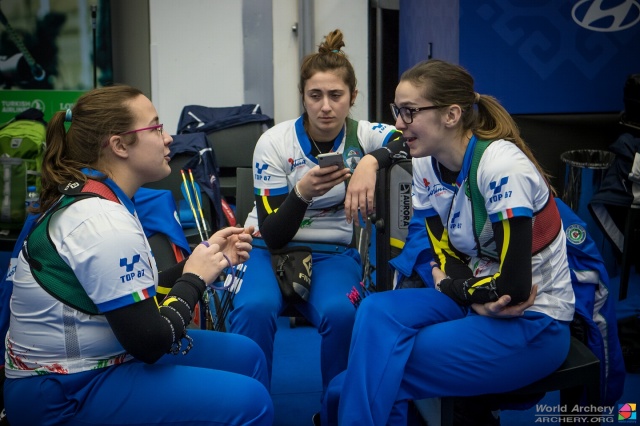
(331, 159)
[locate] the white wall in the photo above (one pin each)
(352, 19)
(196, 55)
(286, 67)
(196, 50)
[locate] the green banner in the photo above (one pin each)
(13, 102)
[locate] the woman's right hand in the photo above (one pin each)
(234, 242)
(501, 309)
(208, 262)
(319, 180)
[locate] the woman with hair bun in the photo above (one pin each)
(300, 203)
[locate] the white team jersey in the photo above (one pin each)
(104, 244)
(282, 156)
(511, 186)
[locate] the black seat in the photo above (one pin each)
(174, 183)
(234, 148)
(245, 200)
(578, 376)
(164, 251)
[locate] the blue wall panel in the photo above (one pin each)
(551, 56)
(535, 56)
(428, 27)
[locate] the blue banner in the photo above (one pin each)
(535, 56)
(551, 56)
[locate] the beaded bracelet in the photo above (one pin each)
(304, 200)
(176, 345)
(185, 323)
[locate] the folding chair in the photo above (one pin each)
(244, 193)
(391, 219)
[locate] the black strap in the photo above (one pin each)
(47, 267)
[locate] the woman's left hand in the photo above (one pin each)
(437, 273)
(234, 242)
(361, 189)
(500, 308)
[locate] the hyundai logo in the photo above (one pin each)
(589, 14)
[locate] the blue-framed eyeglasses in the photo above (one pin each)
(158, 127)
(406, 113)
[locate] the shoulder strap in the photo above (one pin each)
(352, 143)
(91, 188)
(479, 211)
(351, 140)
(47, 267)
(546, 222)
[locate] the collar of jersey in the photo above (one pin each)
(466, 163)
(464, 172)
(305, 143)
(124, 200)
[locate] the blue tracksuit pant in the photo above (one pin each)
(418, 343)
(221, 381)
(259, 303)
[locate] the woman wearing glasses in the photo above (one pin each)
(498, 317)
(119, 358)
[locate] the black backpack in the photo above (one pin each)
(191, 151)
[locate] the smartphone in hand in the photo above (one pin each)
(330, 159)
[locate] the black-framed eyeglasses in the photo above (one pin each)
(158, 127)
(406, 113)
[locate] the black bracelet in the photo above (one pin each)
(175, 343)
(184, 323)
(440, 282)
(184, 302)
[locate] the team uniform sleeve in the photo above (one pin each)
(373, 136)
(147, 331)
(280, 212)
(279, 218)
(376, 139)
(509, 183)
(109, 255)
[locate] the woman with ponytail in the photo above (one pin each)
(498, 317)
(87, 342)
